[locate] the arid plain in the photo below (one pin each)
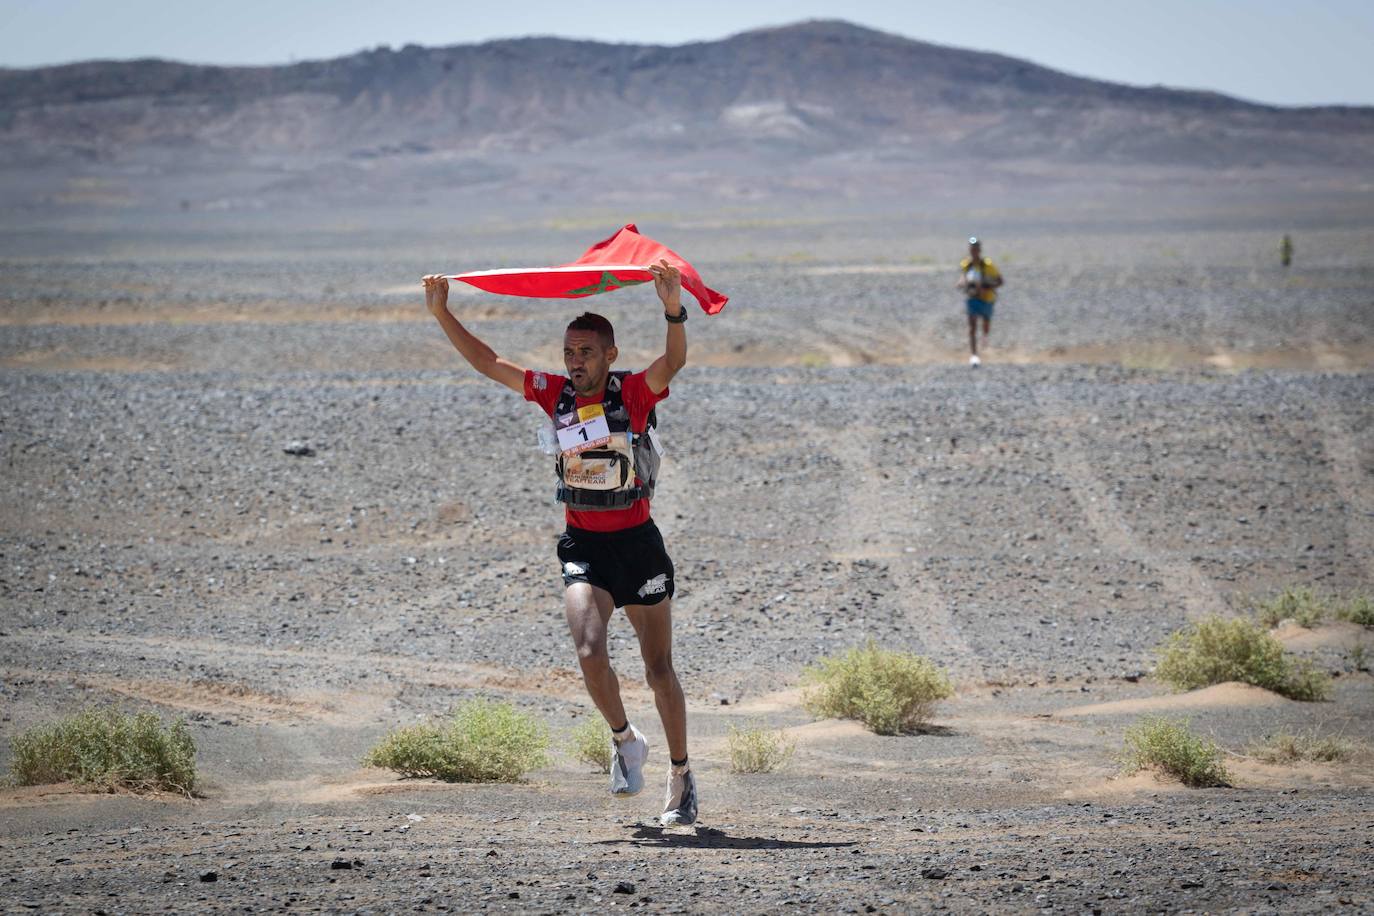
(1167, 424)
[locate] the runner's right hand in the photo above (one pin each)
(436, 293)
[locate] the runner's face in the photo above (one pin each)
(586, 360)
(975, 251)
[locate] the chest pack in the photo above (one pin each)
(600, 454)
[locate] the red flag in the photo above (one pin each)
(621, 260)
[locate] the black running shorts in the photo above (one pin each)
(632, 564)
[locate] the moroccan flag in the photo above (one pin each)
(621, 260)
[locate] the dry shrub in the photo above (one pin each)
(1303, 606)
(1357, 609)
(1168, 746)
(1307, 608)
(756, 748)
(1216, 650)
(480, 742)
(1287, 748)
(889, 692)
(590, 743)
(108, 750)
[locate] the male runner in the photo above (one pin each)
(612, 554)
(979, 279)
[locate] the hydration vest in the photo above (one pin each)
(602, 476)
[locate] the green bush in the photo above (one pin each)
(1288, 748)
(755, 748)
(479, 742)
(1303, 606)
(1215, 650)
(1307, 608)
(889, 692)
(108, 750)
(1168, 746)
(1357, 609)
(590, 743)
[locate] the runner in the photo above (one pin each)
(612, 554)
(979, 279)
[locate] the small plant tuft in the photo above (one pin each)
(1304, 606)
(889, 692)
(1357, 609)
(480, 742)
(756, 748)
(108, 750)
(1168, 746)
(1215, 650)
(1286, 748)
(590, 743)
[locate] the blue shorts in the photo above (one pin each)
(977, 308)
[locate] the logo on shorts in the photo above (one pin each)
(655, 586)
(574, 569)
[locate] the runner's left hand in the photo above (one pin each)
(668, 285)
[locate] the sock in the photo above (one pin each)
(622, 733)
(679, 766)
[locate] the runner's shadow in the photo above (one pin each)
(711, 838)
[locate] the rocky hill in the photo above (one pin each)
(847, 99)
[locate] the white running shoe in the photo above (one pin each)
(680, 806)
(627, 764)
(974, 361)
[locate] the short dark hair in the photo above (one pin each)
(590, 321)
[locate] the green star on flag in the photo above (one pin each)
(608, 282)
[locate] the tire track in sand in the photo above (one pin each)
(1353, 483)
(865, 532)
(1110, 522)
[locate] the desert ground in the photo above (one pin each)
(1167, 424)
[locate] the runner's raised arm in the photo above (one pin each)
(480, 356)
(668, 285)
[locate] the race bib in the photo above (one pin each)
(583, 429)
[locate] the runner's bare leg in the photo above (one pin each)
(654, 626)
(973, 334)
(987, 327)
(589, 611)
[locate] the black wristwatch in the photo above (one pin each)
(678, 318)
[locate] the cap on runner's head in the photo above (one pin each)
(973, 240)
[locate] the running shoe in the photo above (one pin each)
(974, 361)
(627, 764)
(680, 807)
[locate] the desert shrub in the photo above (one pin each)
(1303, 606)
(1214, 650)
(1357, 609)
(1169, 746)
(109, 750)
(590, 743)
(1289, 748)
(889, 692)
(480, 741)
(755, 748)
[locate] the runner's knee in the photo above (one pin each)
(592, 656)
(659, 672)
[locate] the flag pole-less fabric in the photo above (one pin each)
(621, 260)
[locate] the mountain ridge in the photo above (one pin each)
(852, 101)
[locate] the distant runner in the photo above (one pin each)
(612, 554)
(979, 279)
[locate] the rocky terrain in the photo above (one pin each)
(785, 114)
(247, 483)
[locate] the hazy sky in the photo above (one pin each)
(1292, 52)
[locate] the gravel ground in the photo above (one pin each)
(1165, 424)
